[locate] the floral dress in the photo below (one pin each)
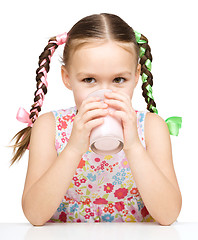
(103, 188)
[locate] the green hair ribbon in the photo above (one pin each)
(173, 123)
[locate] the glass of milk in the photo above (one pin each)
(107, 138)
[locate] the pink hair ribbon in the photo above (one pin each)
(23, 116)
(61, 38)
(43, 70)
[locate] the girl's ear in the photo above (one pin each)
(137, 74)
(65, 77)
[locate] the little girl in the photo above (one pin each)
(66, 181)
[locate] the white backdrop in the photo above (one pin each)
(171, 29)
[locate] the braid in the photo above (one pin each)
(23, 136)
(173, 123)
(41, 78)
(41, 75)
(147, 77)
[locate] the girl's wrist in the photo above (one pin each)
(133, 147)
(73, 150)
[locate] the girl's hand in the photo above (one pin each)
(90, 114)
(124, 111)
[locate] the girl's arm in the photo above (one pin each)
(153, 171)
(48, 176)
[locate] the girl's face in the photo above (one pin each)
(95, 67)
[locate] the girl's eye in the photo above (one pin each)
(120, 78)
(89, 79)
(84, 80)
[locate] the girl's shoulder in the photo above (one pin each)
(43, 126)
(45, 119)
(155, 127)
(153, 119)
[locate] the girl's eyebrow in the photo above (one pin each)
(93, 74)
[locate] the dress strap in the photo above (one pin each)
(140, 126)
(64, 121)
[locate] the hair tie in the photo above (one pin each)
(61, 38)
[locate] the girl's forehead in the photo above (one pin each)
(107, 45)
(106, 54)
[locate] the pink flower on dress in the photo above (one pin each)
(90, 186)
(144, 212)
(59, 127)
(125, 163)
(77, 184)
(69, 117)
(119, 206)
(100, 201)
(98, 212)
(108, 188)
(135, 192)
(121, 193)
(92, 214)
(97, 159)
(87, 210)
(87, 201)
(63, 217)
(87, 216)
(83, 180)
(63, 134)
(133, 210)
(64, 124)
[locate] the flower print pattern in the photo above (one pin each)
(102, 188)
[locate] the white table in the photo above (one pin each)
(99, 231)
